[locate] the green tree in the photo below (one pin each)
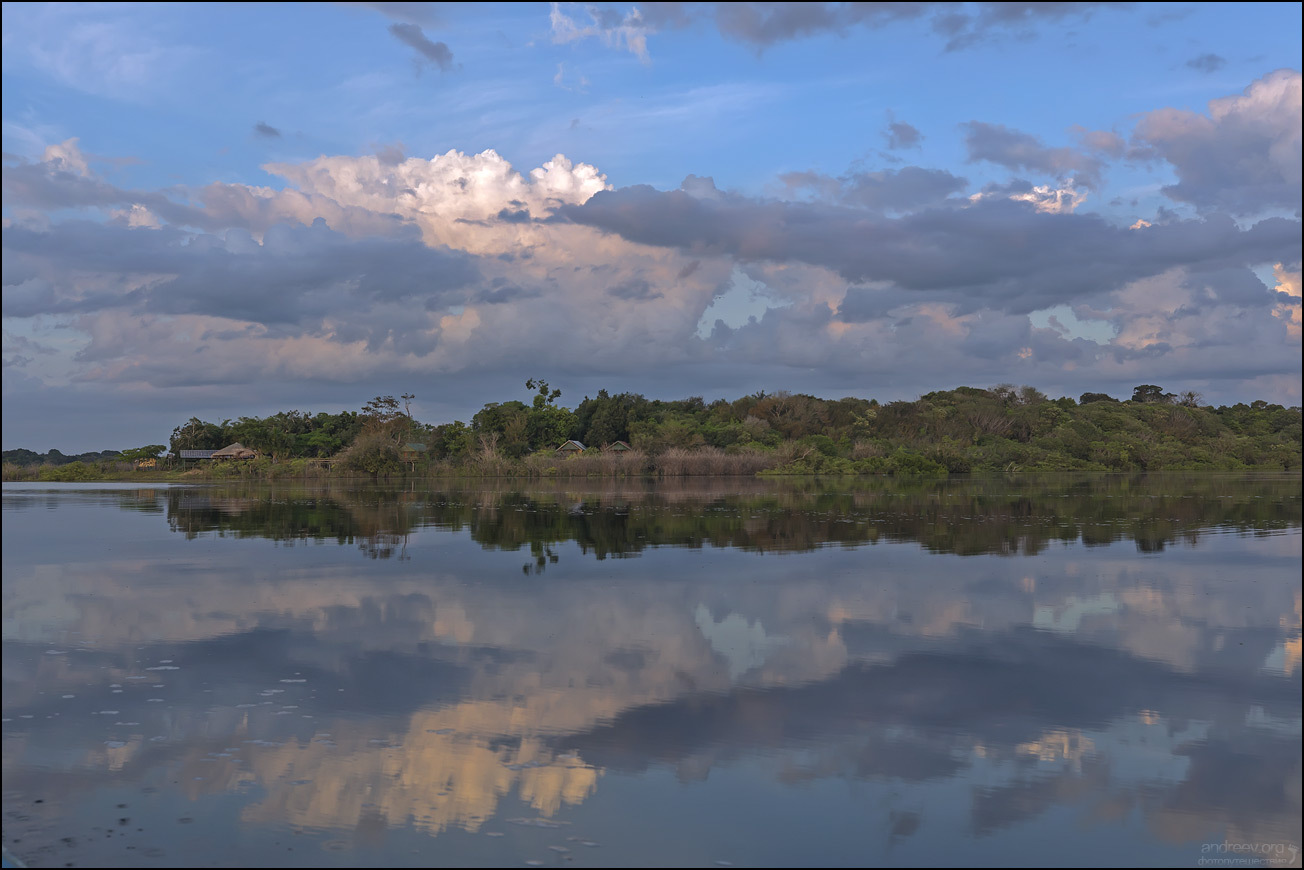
(149, 451)
(1150, 394)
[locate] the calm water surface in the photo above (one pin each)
(1001, 672)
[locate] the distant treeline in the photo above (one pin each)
(967, 429)
(54, 457)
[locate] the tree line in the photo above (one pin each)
(967, 429)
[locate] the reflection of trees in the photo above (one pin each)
(1006, 515)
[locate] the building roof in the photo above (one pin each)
(618, 445)
(233, 451)
(419, 448)
(572, 445)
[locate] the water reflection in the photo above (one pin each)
(1081, 689)
(963, 516)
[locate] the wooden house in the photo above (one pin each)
(411, 452)
(193, 455)
(616, 447)
(571, 448)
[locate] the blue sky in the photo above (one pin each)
(857, 184)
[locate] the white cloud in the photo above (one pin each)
(66, 157)
(1244, 156)
(629, 31)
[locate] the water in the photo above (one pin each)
(1003, 672)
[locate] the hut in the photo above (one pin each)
(411, 452)
(234, 451)
(616, 447)
(571, 448)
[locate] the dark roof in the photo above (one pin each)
(578, 445)
(197, 454)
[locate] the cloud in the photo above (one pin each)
(1288, 295)
(66, 157)
(1207, 63)
(112, 51)
(996, 19)
(902, 135)
(765, 24)
(995, 254)
(1016, 150)
(1243, 157)
(579, 85)
(298, 276)
(424, 14)
(1103, 142)
(368, 268)
(762, 25)
(267, 131)
(897, 190)
(1042, 197)
(629, 31)
(437, 54)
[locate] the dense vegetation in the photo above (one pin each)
(951, 431)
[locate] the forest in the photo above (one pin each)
(964, 430)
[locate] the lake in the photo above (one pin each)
(1010, 671)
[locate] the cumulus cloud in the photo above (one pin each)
(1017, 150)
(436, 54)
(1288, 295)
(1243, 156)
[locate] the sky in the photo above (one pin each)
(228, 210)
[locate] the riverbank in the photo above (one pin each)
(785, 460)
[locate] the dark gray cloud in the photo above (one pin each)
(50, 186)
(1243, 157)
(297, 276)
(1022, 20)
(634, 289)
(1207, 63)
(266, 130)
(997, 253)
(1017, 150)
(437, 53)
(896, 190)
(764, 24)
(902, 135)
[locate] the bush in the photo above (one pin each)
(907, 462)
(373, 453)
(70, 472)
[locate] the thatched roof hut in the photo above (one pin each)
(235, 451)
